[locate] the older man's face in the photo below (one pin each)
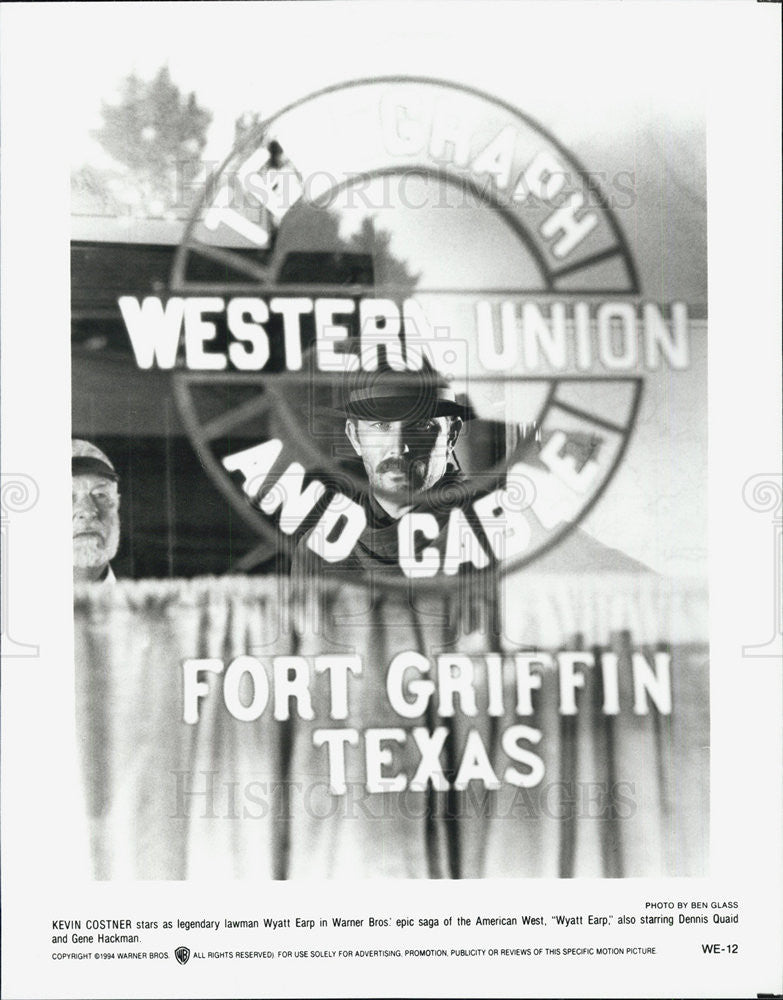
(403, 459)
(96, 522)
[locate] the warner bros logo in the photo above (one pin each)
(182, 954)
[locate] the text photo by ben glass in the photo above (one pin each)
(391, 456)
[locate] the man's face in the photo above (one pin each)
(96, 521)
(403, 459)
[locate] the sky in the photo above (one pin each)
(618, 108)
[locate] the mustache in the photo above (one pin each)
(90, 533)
(414, 468)
(393, 465)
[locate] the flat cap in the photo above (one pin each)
(86, 458)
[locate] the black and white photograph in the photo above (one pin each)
(425, 520)
(335, 486)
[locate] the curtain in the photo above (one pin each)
(617, 787)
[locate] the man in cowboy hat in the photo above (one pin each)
(404, 428)
(96, 519)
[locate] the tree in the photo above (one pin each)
(248, 122)
(150, 134)
(311, 248)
